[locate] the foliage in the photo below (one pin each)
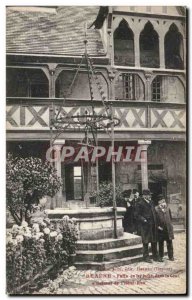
(70, 234)
(32, 248)
(28, 180)
(105, 195)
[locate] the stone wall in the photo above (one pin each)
(171, 157)
(93, 223)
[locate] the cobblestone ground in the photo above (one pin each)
(167, 277)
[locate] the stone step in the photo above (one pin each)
(106, 265)
(127, 239)
(109, 254)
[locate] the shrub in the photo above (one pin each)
(25, 253)
(105, 195)
(28, 180)
(70, 234)
(32, 248)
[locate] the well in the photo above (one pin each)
(93, 223)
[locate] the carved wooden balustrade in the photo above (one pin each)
(34, 114)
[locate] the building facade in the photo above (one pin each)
(139, 58)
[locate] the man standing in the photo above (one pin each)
(146, 217)
(127, 221)
(129, 218)
(165, 227)
(134, 204)
(136, 194)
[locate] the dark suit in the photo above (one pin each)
(147, 224)
(166, 234)
(129, 218)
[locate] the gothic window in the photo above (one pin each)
(156, 89)
(124, 45)
(149, 47)
(173, 48)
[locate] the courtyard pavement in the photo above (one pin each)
(168, 277)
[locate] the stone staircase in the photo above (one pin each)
(108, 253)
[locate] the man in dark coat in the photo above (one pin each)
(134, 204)
(127, 221)
(165, 227)
(146, 217)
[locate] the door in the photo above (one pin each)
(105, 172)
(73, 182)
(157, 188)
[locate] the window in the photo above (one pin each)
(152, 167)
(156, 89)
(149, 47)
(174, 51)
(39, 90)
(77, 183)
(124, 45)
(27, 83)
(129, 86)
(73, 182)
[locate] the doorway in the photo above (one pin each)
(157, 188)
(105, 172)
(73, 182)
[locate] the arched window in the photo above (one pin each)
(80, 88)
(173, 48)
(168, 89)
(124, 45)
(129, 86)
(149, 47)
(27, 83)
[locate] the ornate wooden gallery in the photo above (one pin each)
(109, 76)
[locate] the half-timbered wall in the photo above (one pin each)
(144, 115)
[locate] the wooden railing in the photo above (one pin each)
(35, 113)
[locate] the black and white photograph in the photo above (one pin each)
(96, 150)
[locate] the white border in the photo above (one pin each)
(3, 4)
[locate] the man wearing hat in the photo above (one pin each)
(165, 227)
(135, 201)
(147, 223)
(129, 222)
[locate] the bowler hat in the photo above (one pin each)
(135, 191)
(146, 192)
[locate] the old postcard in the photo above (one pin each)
(96, 150)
